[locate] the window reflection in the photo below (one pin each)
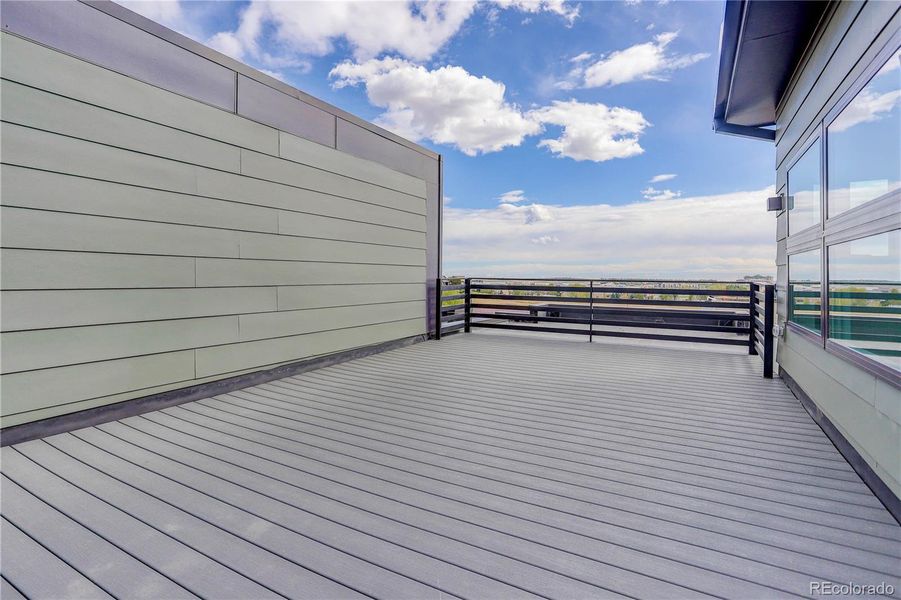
(804, 287)
(864, 159)
(865, 296)
(804, 190)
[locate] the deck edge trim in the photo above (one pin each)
(863, 469)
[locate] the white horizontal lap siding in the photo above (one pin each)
(863, 407)
(152, 242)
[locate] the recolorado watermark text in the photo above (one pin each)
(831, 588)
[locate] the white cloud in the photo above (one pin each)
(649, 60)
(446, 105)
(370, 28)
(581, 57)
(722, 236)
(651, 193)
(528, 214)
(592, 131)
(512, 197)
(415, 30)
(662, 177)
(545, 240)
(566, 10)
(868, 106)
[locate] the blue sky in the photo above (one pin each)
(554, 119)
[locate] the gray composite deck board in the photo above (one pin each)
(478, 466)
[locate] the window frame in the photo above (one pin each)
(814, 138)
(816, 336)
(868, 219)
(880, 60)
(859, 359)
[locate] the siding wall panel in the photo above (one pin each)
(318, 296)
(34, 391)
(42, 309)
(47, 151)
(270, 168)
(35, 108)
(151, 241)
(227, 186)
(30, 188)
(224, 360)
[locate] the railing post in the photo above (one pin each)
(466, 305)
(590, 311)
(769, 310)
(752, 313)
(438, 311)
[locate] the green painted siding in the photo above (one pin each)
(152, 242)
(864, 408)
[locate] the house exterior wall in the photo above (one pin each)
(171, 217)
(854, 39)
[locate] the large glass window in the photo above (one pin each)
(865, 296)
(804, 190)
(804, 285)
(864, 161)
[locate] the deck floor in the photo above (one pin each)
(480, 466)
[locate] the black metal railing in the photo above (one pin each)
(450, 306)
(711, 312)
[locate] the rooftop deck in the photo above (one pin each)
(478, 466)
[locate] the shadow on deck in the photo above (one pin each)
(479, 466)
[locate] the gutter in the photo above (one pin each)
(734, 17)
(761, 133)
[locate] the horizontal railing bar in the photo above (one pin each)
(759, 323)
(552, 299)
(672, 338)
(615, 290)
(671, 291)
(623, 311)
(674, 326)
(761, 296)
(759, 349)
(611, 280)
(528, 328)
(529, 298)
(759, 336)
(546, 288)
(454, 297)
(607, 323)
(450, 328)
(452, 288)
(448, 318)
(622, 334)
(524, 317)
